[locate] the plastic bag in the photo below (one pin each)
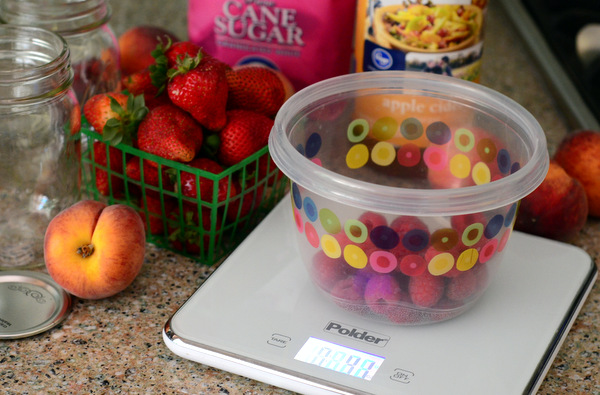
(307, 40)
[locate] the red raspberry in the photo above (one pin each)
(480, 271)
(367, 272)
(461, 222)
(348, 294)
(405, 223)
(402, 225)
(349, 289)
(327, 271)
(462, 286)
(426, 290)
(412, 265)
(342, 239)
(383, 292)
(372, 220)
(432, 252)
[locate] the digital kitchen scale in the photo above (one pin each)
(260, 316)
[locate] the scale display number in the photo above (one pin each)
(339, 358)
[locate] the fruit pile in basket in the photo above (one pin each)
(185, 143)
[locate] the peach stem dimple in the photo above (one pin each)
(86, 250)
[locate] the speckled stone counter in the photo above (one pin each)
(115, 345)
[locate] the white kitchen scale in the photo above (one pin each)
(260, 316)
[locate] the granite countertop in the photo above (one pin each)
(115, 345)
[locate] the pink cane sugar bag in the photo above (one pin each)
(308, 40)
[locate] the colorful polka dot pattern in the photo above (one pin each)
(459, 151)
(384, 248)
(412, 251)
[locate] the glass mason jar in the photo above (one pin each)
(39, 121)
(84, 25)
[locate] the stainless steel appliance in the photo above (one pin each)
(564, 38)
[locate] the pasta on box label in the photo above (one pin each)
(307, 40)
(441, 37)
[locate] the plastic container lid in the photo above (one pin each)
(424, 202)
(30, 303)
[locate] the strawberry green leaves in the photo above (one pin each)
(123, 128)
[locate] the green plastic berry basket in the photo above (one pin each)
(205, 228)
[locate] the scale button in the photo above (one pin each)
(279, 340)
(401, 375)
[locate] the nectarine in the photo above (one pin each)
(579, 155)
(93, 250)
(136, 46)
(557, 209)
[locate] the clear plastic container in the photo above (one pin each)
(84, 24)
(405, 187)
(39, 152)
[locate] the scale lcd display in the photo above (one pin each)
(339, 358)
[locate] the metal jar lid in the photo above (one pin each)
(30, 303)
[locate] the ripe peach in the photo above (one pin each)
(93, 250)
(136, 46)
(557, 209)
(579, 155)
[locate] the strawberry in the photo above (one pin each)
(152, 204)
(243, 202)
(190, 233)
(255, 88)
(171, 133)
(151, 176)
(115, 115)
(140, 83)
(190, 184)
(75, 118)
(98, 109)
(165, 57)
(265, 168)
(134, 171)
(180, 50)
(198, 85)
(100, 158)
(245, 133)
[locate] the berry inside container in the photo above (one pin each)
(404, 188)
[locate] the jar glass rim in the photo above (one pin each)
(34, 63)
(66, 17)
